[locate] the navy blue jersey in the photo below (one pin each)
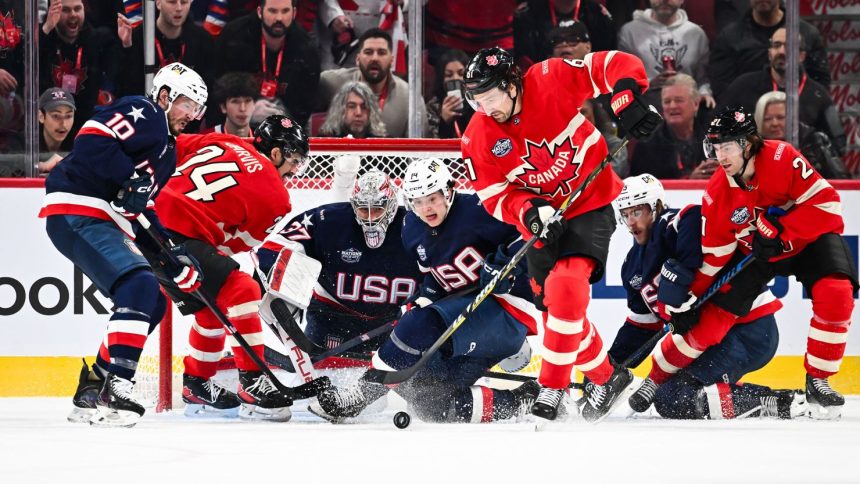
(452, 254)
(675, 235)
(357, 280)
(129, 135)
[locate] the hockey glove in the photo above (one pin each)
(637, 116)
(182, 267)
(683, 322)
(766, 242)
(493, 264)
(539, 221)
(132, 198)
(674, 289)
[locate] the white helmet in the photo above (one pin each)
(426, 176)
(180, 80)
(374, 190)
(640, 190)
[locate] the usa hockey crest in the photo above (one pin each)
(502, 147)
(740, 215)
(550, 170)
(350, 256)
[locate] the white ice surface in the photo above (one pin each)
(38, 445)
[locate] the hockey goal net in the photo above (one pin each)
(159, 374)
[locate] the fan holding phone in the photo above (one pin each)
(449, 115)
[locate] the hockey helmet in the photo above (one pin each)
(640, 190)
(181, 80)
(730, 124)
(427, 176)
(281, 131)
(490, 68)
(374, 190)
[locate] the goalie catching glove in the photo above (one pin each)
(637, 116)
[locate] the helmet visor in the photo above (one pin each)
(724, 150)
(187, 106)
(487, 102)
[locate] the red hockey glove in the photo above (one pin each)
(766, 242)
(637, 116)
(183, 268)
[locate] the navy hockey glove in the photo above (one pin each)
(540, 217)
(767, 243)
(674, 288)
(132, 198)
(493, 264)
(637, 116)
(182, 267)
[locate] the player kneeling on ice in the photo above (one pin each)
(215, 217)
(121, 158)
(366, 275)
(458, 246)
(739, 218)
(669, 240)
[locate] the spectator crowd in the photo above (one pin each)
(338, 66)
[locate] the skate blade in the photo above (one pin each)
(315, 409)
(253, 412)
(81, 415)
(819, 412)
(108, 417)
(194, 410)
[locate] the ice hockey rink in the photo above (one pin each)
(38, 445)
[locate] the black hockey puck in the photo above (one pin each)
(402, 420)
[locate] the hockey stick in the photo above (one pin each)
(399, 376)
(283, 362)
(713, 289)
(306, 390)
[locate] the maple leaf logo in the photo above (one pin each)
(549, 170)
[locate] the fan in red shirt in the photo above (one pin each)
(804, 241)
(225, 198)
(528, 148)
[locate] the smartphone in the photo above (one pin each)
(669, 63)
(454, 87)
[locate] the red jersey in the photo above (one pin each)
(549, 148)
(224, 192)
(783, 178)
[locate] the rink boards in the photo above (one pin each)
(51, 315)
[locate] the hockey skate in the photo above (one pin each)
(205, 398)
(524, 397)
(601, 399)
(643, 397)
(825, 403)
(336, 404)
(261, 400)
(85, 396)
(115, 405)
(784, 404)
(548, 403)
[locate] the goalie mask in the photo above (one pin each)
(374, 201)
(181, 80)
(638, 190)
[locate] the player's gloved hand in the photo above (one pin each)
(493, 264)
(637, 116)
(540, 217)
(182, 267)
(674, 290)
(132, 198)
(683, 322)
(767, 243)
